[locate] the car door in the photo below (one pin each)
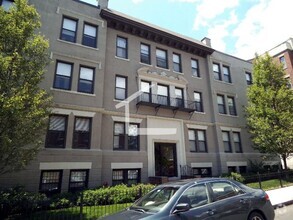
(199, 200)
(230, 202)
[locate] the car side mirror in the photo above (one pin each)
(181, 207)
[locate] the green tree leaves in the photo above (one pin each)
(24, 106)
(270, 109)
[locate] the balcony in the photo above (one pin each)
(160, 101)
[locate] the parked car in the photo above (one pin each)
(207, 198)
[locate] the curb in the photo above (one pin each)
(281, 205)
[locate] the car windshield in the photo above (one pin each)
(155, 200)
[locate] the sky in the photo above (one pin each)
(240, 28)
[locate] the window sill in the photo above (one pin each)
(150, 65)
(76, 44)
(197, 152)
(221, 81)
(227, 115)
(196, 77)
(180, 73)
(121, 58)
(73, 92)
(162, 68)
(203, 113)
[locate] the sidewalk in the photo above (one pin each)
(282, 196)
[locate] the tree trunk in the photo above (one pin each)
(285, 161)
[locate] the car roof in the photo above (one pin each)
(184, 182)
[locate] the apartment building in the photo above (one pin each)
(134, 101)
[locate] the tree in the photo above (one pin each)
(270, 109)
(24, 106)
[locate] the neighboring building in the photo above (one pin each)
(283, 53)
(187, 120)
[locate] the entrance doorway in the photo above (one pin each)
(165, 159)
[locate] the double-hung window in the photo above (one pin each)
(163, 95)
(68, 31)
(227, 74)
(145, 53)
(121, 88)
(221, 104)
(78, 180)
(231, 105)
(226, 141)
(86, 80)
(248, 77)
(82, 133)
(121, 47)
(63, 75)
(177, 63)
(145, 87)
(126, 176)
(237, 142)
(161, 57)
(179, 97)
(51, 181)
(194, 68)
(197, 140)
(283, 61)
(217, 71)
(89, 35)
(126, 140)
(198, 102)
(56, 135)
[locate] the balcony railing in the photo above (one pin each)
(160, 101)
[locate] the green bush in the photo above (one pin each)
(235, 176)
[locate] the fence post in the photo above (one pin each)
(280, 178)
(81, 205)
(259, 180)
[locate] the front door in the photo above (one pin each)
(165, 159)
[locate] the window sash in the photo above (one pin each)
(161, 56)
(51, 182)
(123, 141)
(194, 68)
(231, 105)
(227, 75)
(90, 30)
(121, 47)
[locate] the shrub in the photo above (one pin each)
(235, 176)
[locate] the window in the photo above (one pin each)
(161, 56)
(179, 97)
(195, 196)
(121, 47)
(198, 102)
(242, 169)
(82, 133)
(226, 141)
(146, 89)
(202, 172)
(221, 104)
(120, 89)
(283, 61)
(197, 140)
(145, 54)
(51, 181)
(195, 68)
(86, 80)
(177, 62)
(231, 105)
(217, 72)
(227, 75)
(68, 32)
(237, 142)
(163, 95)
(56, 134)
(248, 78)
(232, 169)
(63, 75)
(126, 176)
(223, 190)
(89, 35)
(78, 180)
(126, 140)
(6, 4)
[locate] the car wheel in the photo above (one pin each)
(255, 216)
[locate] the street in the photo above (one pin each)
(284, 213)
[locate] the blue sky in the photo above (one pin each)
(238, 27)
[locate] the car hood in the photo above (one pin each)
(127, 215)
